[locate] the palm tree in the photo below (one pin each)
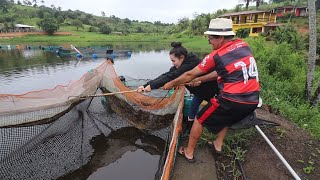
(247, 3)
(258, 2)
(312, 55)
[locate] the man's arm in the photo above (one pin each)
(184, 78)
(208, 77)
(205, 78)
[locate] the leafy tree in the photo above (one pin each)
(60, 19)
(48, 24)
(92, 29)
(238, 8)
(4, 6)
(139, 30)
(26, 2)
(77, 23)
(103, 13)
(43, 11)
(87, 19)
(105, 29)
(6, 26)
(157, 23)
(183, 24)
(247, 3)
(34, 3)
(258, 2)
(127, 21)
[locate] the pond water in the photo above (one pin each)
(89, 149)
(24, 70)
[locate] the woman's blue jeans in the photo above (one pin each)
(194, 108)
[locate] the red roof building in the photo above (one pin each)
(298, 11)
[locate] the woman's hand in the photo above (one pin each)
(140, 89)
(195, 82)
(144, 89)
(167, 86)
(147, 89)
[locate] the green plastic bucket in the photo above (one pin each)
(187, 102)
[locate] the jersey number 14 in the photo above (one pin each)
(251, 72)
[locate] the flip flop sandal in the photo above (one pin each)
(190, 160)
(213, 149)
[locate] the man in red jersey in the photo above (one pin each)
(237, 80)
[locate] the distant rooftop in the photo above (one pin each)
(23, 26)
(242, 12)
(292, 7)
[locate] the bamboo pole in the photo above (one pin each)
(105, 94)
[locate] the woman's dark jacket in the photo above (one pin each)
(205, 91)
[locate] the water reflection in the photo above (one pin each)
(35, 69)
(120, 152)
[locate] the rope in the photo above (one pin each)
(104, 94)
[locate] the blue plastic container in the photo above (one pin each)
(187, 102)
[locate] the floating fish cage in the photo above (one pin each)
(50, 48)
(8, 47)
(118, 53)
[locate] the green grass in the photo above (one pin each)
(194, 43)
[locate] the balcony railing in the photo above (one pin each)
(254, 20)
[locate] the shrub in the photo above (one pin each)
(243, 33)
(48, 24)
(105, 29)
(93, 29)
(289, 35)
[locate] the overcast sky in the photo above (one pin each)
(166, 11)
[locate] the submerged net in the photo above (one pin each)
(48, 134)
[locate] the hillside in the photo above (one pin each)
(74, 20)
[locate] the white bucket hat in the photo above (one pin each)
(220, 27)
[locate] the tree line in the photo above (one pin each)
(50, 19)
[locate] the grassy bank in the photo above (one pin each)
(194, 43)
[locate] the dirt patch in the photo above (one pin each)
(300, 150)
(19, 34)
(303, 30)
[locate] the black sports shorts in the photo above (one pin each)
(220, 113)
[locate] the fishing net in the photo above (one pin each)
(143, 111)
(46, 105)
(50, 134)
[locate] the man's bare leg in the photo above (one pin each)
(196, 132)
(220, 137)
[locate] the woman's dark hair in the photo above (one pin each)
(178, 50)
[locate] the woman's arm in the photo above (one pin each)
(184, 78)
